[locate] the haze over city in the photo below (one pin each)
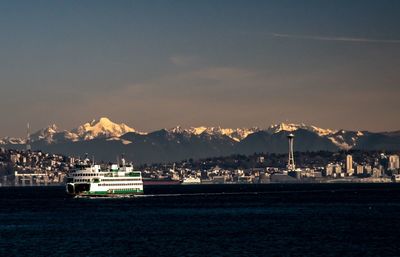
(155, 64)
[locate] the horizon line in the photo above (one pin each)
(336, 38)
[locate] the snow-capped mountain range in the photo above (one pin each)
(237, 134)
(336, 136)
(107, 139)
(105, 128)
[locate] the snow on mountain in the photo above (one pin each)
(235, 134)
(123, 141)
(341, 138)
(239, 134)
(273, 129)
(290, 127)
(45, 134)
(177, 130)
(101, 128)
(12, 141)
(346, 139)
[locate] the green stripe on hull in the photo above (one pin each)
(127, 192)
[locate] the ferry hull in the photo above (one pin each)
(84, 190)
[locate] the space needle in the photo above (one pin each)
(291, 166)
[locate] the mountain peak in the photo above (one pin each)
(46, 133)
(102, 127)
(176, 130)
(53, 128)
(289, 127)
(102, 120)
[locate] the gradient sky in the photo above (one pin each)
(155, 64)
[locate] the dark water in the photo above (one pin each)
(280, 220)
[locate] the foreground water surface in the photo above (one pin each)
(270, 220)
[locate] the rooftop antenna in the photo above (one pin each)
(28, 137)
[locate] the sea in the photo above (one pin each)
(205, 220)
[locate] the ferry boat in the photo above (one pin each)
(116, 180)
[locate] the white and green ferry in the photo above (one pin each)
(115, 180)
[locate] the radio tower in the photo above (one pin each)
(291, 166)
(28, 138)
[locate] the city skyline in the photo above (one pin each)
(156, 64)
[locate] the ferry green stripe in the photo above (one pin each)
(115, 192)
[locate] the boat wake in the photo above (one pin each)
(163, 195)
(196, 194)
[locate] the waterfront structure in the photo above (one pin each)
(394, 163)
(31, 179)
(191, 180)
(291, 165)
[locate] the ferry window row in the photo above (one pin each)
(128, 184)
(84, 175)
(126, 189)
(122, 179)
(82, 180)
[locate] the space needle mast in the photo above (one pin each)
(291, 166)
(28, 137)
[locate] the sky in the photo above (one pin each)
(157, 64)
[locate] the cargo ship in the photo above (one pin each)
(88, 179)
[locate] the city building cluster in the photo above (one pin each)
(32, 168)
(261, 168)
(384, 168)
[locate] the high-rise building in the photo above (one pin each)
(291, 165)
(359, 169)
(349, 164)
(393, 162)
